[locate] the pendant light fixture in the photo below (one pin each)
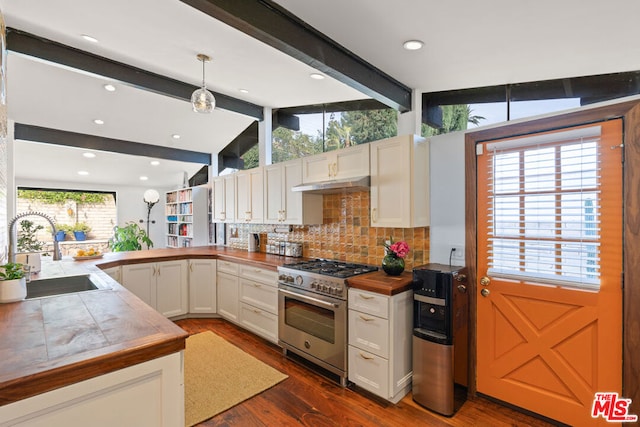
(202, 100)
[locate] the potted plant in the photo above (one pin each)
(129, 238)
(80, 230)
(28, 246)
(13, 284)
(62, 230)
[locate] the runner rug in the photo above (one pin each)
(218, 375)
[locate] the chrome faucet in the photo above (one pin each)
(12, 249)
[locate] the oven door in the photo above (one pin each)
(313, 324)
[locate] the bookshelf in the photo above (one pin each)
(187, 217)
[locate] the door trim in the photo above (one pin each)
(629, 111)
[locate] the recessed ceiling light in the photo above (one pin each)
(154, 163)
(98, 121)
(83, 173)
(316, 76)
(175, 136)
(144, 178)
(89, 38)
(109, 88)
(413, 44)
(243, 90)
(89, 155)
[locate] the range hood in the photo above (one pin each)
(346, 185)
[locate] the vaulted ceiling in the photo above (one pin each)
(466, 45)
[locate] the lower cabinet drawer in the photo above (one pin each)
(259, 295)
(260, 322)
(369, 332)
(369, 371)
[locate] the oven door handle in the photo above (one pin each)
(304, 297)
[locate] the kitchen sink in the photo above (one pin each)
(60, 285)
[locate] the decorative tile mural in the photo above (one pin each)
(345, 234)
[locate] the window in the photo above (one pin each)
(315, 129)
(495, 104)
(546, 199)
(70, 209)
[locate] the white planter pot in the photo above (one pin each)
(13, 290)
(33, 259)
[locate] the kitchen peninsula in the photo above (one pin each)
(98, 353)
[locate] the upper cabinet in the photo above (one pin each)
(249, 195)
(400, 182)
(224, 199)
(281, 205)
(338, 164)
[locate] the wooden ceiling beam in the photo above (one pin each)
(33, 133)
(268, 22)
(56, 53)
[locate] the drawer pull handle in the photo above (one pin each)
(366, 319)
(365, 357)
(257, 285)
(365, 296)
(257, 311)
(257, 270)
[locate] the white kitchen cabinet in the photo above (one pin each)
(114, 272)
(140, 279)
(227, 283)
(162, 285)
(187, 219)
(202, 286)
(249, 196)
(259, 301)
(281, 205)
(248, 296)
(348, 162)
(380, 329)
(400, 182)
(108, 400)
(223, 198)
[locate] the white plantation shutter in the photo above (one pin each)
(544, 219)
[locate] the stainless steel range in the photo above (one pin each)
(312, 311)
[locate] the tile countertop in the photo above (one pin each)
(51, 342)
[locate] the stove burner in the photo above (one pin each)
(331, 268)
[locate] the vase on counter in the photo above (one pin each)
(393, 265)
(13, 290)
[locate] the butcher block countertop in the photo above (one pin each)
(51, 342)
(381, 283)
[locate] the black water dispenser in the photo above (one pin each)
(440, 318)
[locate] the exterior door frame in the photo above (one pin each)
(629, 111)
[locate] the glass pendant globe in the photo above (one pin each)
(203, 101)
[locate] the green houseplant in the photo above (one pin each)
(129, 238)
(27, 237)
(29, 248)
(13, 284)
(80, 230)
(62, 230)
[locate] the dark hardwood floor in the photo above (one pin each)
(309, 399)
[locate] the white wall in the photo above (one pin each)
(131, 206)
(447, 198)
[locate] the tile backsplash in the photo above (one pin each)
(345, 234)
